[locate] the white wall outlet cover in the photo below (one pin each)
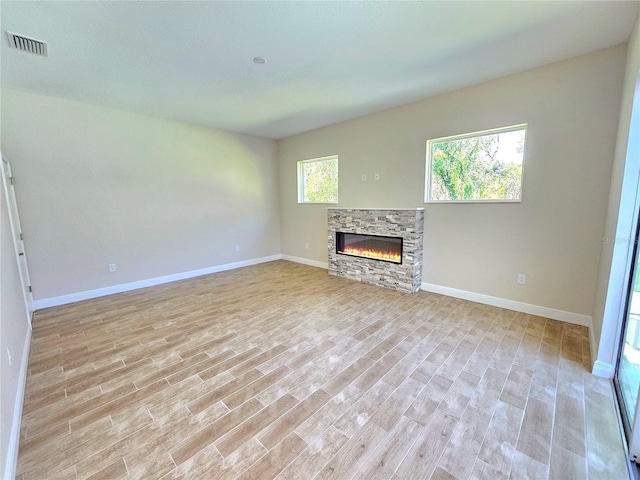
(112, 267)
(237, 248)
(364, 177)
(377, 176)
(522, 278)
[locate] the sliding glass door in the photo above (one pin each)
(627, 377)
(627, 374)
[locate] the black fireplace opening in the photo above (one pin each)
(376, 247)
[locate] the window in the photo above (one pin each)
(318, 180)
(476, 167)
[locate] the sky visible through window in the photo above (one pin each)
(511, 149)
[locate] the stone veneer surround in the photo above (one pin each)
(405, 223)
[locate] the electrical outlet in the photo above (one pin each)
(306, 245)
(364, 177)
(522, 278)
(237, 248)
(112, 267)
(377, 176)
(9, 355)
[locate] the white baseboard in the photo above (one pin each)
(569, 317)
(14, 439)
(306, 261)
(126, 287)
(602, 369)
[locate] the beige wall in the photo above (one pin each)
(15, 335)
(554, 236)
(156, 197)
(613, 274)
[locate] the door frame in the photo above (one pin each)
(16, 235)
(624, 262)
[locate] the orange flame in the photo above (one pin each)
(361, 252)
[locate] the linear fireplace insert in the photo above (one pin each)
(376, 247)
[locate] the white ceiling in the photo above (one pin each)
(326, 61)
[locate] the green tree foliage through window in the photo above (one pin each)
(477, 167)
(318, 180)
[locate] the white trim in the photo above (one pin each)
(619, 265)
(593, 348)
(373, 208)
(482, 133)
(16, 229)
(300, 168)
(569, 317)
(306, 261)
(14, 439)
(602, 369)
(125, 287)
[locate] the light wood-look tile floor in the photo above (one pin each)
(282, 371)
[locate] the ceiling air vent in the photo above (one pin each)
(27, 44)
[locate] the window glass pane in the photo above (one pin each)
(629, 364)
(319, 180)
(483, 167)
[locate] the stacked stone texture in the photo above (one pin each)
(407, 224)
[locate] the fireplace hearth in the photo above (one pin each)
(378, 246)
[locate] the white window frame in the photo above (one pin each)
(428, 172)
(300, 168)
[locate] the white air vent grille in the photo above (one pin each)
(27, 44)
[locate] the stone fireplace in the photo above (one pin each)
(378, 246)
